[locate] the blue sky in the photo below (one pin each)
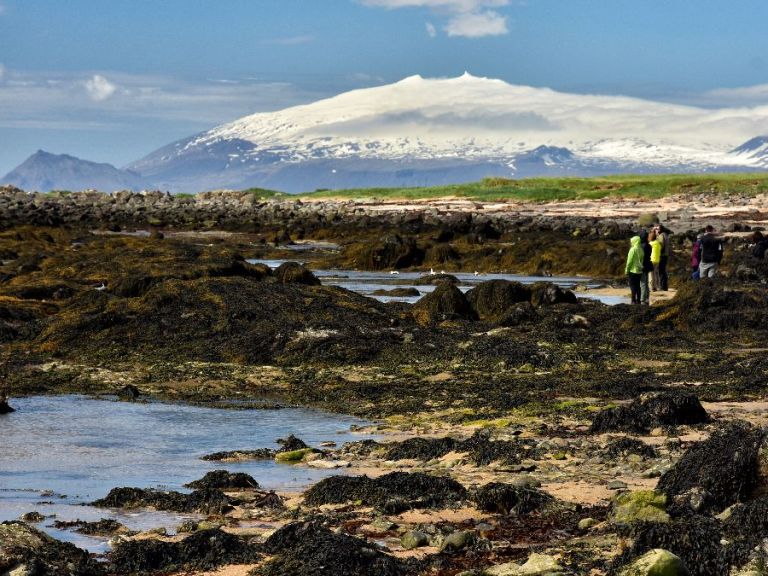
(111, 80)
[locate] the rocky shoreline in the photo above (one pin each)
(527, 431)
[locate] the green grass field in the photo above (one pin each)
(548, 189)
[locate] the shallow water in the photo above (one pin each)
(367, 282)
(78, 448)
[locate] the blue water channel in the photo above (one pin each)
(61, 452)
(368, 282)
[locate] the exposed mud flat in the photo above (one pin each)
(521, 426)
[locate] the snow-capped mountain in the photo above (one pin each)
(419, 132)
(434, 131)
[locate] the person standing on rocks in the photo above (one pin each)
(634, 268)
(662, 234)
(655, 245)
(645, 296)
(711, 253)
(696, 257)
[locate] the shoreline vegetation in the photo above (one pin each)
(525, 431)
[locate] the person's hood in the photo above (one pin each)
(643, 236)
(634, 241)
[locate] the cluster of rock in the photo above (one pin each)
(246, 210)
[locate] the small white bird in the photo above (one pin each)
(477, 273)
(101, 287)
(394, 272)
(431, 272)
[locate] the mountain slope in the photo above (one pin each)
(436, 131)
(44, 171)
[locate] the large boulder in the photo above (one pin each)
(446, 302)
(496, 299)
(649, 411)
(656, 562)
(717, 472)
(25, 550)
(546, 294)
(295, 273)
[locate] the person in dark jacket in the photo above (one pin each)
(711, 253)
(760, 246)
(645, 292)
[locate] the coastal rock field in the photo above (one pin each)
(521, 428)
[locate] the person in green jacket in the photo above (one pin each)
(655, 244)
(634, 268)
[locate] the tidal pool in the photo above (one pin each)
(59, 452)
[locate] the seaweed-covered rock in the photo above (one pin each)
(436, 280)
(696, 540)
(308, 549)
(502, 498)
(291, 444)
(206, 501)
(479, 447)
(5, 408)
(397, 292)
(640, 506)
(128, 392)
(625, 446)
(421, 448)
(295, 273)
(494, 300)
(223, 479)
(718, 471)
(393, 492)
(656, 562)
(203, 550)
(446, 302)
(258, 454)
(546, 294)
(649, 411)
(25, 550)
(535, 565)
(392, 251)
(103, 527)
(749, 519)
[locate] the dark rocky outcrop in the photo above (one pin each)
(309, 549)
(393, 492)
(295, 273)
(501, 498)
(717, 472)
(547, 294)
(30, 551)
(496, 300)
(223, 480)
(649, 411)
(203, 550)
(205, 501)
(446, 302)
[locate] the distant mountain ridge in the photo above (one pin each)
(44, 171)
(421, 132)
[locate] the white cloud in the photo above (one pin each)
(477, 25)
(467, 18)
(2, 72)
(99, 88)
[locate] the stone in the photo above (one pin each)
(536, 565)
(657, 562)
(456, 541)
(640, 506)
(328, 464)
(414, 539)
(587, 523)
(617, 485)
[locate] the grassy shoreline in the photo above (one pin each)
(642, 186)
